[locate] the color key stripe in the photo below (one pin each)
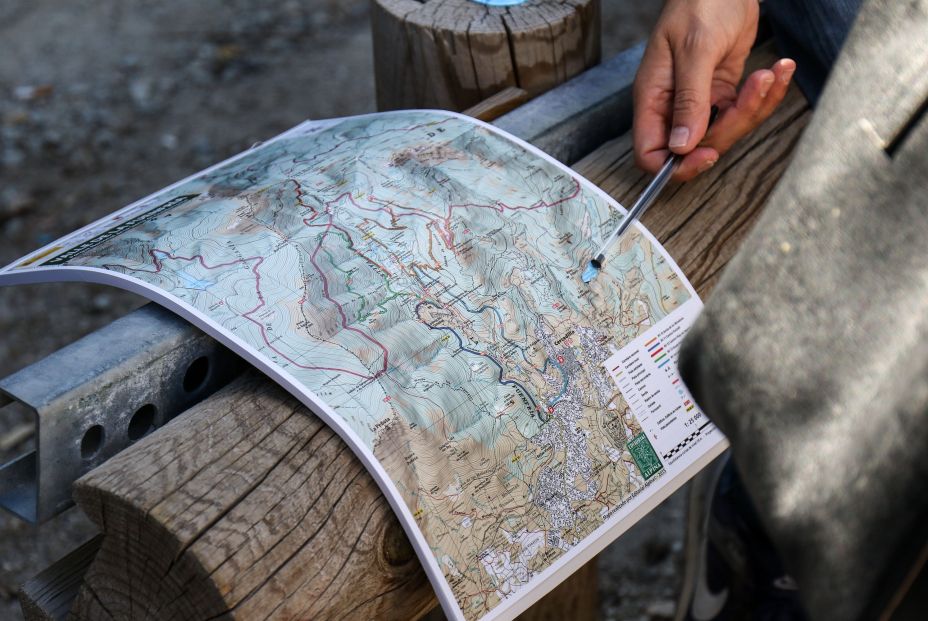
(656, 352)
(663, 364)
(658, 359)
(651, 348)
(648, 344)
(676, 381)
(690, 408)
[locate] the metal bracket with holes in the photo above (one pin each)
(96, 396)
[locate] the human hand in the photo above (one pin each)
(694, 59)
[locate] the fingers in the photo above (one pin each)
(696, 162)
(666, 89)
(759, 97)
(693, 72)
(649, 135)
(653, 98)
(783, 71)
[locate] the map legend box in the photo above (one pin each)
(645, 371)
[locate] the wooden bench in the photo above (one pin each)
(248, 507)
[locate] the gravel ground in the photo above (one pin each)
(104, 101)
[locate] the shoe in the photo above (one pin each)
(732, 572)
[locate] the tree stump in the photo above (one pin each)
(452, 54)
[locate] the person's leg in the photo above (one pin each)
(811, 32)
(735, 570)
(827, 296)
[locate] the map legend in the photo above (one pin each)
(645, 371)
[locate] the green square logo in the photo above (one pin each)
(644, 455)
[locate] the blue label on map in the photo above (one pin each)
(500, 2)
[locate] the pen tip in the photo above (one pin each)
(590, 273)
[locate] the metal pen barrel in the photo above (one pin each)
(641, 205)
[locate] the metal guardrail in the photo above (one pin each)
(96, 396)
(99, 394)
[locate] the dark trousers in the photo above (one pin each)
(811, 354)
(811, 33)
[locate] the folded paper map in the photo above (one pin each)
(414, 278)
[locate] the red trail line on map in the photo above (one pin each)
(261, 303)
(444, 231)
(341, 311)
(445, 234)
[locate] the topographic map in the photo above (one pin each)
(414, 278)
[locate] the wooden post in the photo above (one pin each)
(246, 506)
(452, 54)
(49, 595)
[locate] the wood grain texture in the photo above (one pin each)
(246, 507)
(577, 598)
(451, 54)
(49, 595)
(249, 507)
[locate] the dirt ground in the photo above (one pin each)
(105, 101)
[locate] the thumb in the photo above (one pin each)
(692, 77)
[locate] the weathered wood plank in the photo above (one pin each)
(48, 596)
(499, 104)
(388, 31)
(570, 121)
(246, 506)
(577, 598)
(249, 507)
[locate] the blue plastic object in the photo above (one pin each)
(499, 2)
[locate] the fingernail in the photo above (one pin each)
(789, 67)
(765, 85)
(706, 165)
(678, 137)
